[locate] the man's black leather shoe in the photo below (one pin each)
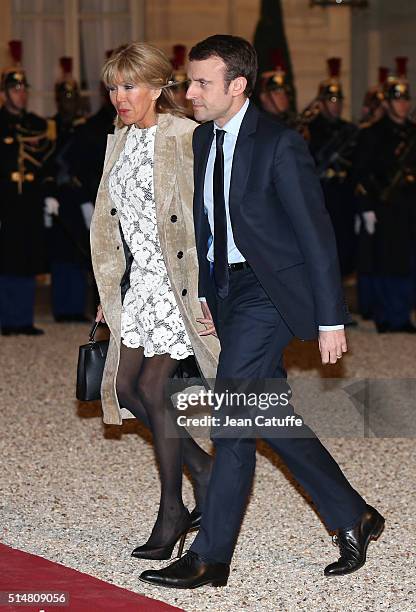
(189, 572)
(353, 543)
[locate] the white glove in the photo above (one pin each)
(370, 221)
(87, 210)
(51, 207)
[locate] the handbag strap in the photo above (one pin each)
(93, 330)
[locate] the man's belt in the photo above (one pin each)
(20, 177)
(240, 265)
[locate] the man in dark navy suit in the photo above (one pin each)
(269, 274)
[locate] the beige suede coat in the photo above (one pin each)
(173, 190)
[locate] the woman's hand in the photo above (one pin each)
(100, 315)
(207, 321)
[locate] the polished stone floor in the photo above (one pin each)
(84, 494)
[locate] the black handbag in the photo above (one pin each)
(91, 360)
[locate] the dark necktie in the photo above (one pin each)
(220, 220)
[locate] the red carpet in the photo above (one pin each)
(20, 571)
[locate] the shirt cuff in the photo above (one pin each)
(202, 299)
(330, 327)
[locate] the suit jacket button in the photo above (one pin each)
(174, 218)
(113, 211)
(179, 255)
(184, 291)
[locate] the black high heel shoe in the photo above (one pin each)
(195, 520)
(164, 552)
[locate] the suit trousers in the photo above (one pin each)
(17, 300)
(69, 288)
(393, 300)
(253, 336)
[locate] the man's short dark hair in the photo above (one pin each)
(238, 55)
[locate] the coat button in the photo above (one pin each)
(174, 218)
(184, 291)
(113, 211)
(118, 248)
(179, 255)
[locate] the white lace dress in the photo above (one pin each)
(150, 316)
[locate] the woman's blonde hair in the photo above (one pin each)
(143, 64)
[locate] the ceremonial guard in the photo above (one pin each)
(332, 141)
(68, 232)
(276, 93)
(373, 110)
(385, 177)
(25, 150)
(84, 156)
(85, 152)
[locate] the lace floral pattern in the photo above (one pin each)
(150, 316)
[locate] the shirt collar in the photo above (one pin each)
(233, 125)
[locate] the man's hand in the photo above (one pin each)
(207, 321)
(332, 344)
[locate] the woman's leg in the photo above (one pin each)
(196, 459)
(172, 515)
(131, 361)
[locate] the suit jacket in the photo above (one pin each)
(173, 190)
(280, 223)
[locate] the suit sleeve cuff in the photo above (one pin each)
(330, 327)
(202, 299)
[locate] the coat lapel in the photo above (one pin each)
(164, 169)
(115, 144)
(243, 154)
(200, 161)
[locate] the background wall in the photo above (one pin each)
(85, 29)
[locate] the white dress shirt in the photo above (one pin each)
(231, 129)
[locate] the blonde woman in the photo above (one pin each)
(145, 264)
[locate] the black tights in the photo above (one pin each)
(141, 389)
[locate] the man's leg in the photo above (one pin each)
(17, 301)
(394, 295)
(69, 289)
(365, 295)
(247, 329)
(253, 337)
